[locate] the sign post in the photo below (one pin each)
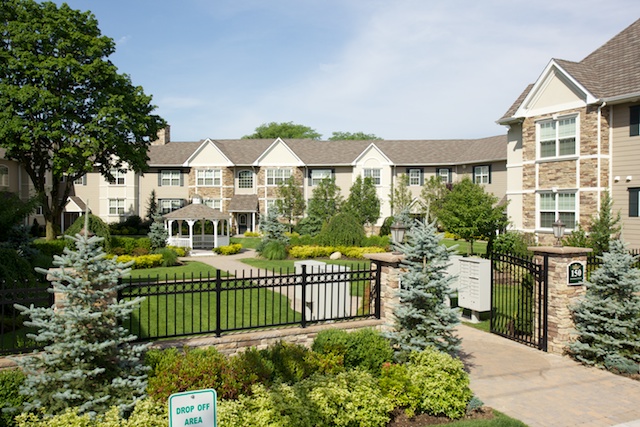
(575, 273)
(193, 408)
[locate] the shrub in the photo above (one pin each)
(512, 242)
(169, 257)
(10, 397)
(147, 413)
(96, 226)
(231, 249)
(13, 267)
(251, 234)
(305, 252)
(180, 251)
(365, 348)
(358, 253)
(274, 250)
(291, 362)
(351, 398)
(385, 229)
(382, 241)
(302, 240)
(144, 261)
(438, 384)
(343, 229)
(50, 247)
(193, 369)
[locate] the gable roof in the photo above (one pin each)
(611, 72)
(245, 152)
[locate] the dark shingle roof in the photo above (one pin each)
(244, 203)
(196, 211)
(611, 70)
(171, 154)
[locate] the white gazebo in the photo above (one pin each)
(192, 214)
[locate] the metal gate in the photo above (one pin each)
(519, 299)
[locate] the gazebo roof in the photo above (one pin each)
(197, 211)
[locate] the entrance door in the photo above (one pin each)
(242, 223)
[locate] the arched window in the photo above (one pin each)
(245, 179)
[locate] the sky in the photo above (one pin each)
(399, 69)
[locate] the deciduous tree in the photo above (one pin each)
(363, 201)
(290, 202)
(326, 201)
(400, 197)
(347, 136)
(275, 130)
(64, 108)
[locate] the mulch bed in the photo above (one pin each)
(399, 419)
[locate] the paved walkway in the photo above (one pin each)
(540, 389)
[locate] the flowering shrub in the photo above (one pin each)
(231, 249)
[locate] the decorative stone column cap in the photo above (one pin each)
(385, 258)
(560, 250)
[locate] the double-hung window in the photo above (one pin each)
(118, 177)
(116, 206)
(415, 177)
(374, 174)
(245, 179)
(555, 206)
(634, 120)
(482, 174)
(634, 202)
(444, 174)
(557, 137)
(170, 178)
(170, 205)
(209, 177)
(4, 176)
(213, 203)
(317, 175)
(277, 176)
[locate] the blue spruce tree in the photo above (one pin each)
(607, 317)
(89, 360)
(423, 318)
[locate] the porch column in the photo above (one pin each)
(566, 273)
(190, 222)
(253, 222)
(215, 233)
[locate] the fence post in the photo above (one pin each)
(388, 267)
(303, 320)
(377, 294)
(218, 328)
(562, 291)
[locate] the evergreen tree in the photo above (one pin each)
(88, 360)
(400, 197)
(604, 226)
(152, 205)
(363, 201)
(606, 318)
(274, 240)
(157, 233)
(423, 318)
(326, 201)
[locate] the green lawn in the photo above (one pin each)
(479, 246)
(189, 268)
(247, 242)
(499, 420)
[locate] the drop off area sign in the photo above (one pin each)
(193, 408)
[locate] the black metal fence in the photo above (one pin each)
(519, 299)
(13, 332)
(594, 261)
(185, 306)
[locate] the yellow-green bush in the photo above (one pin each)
(231, 249)
(251, 234)
(147, 413)
(180, 251)
(305, 252)
(143, 261)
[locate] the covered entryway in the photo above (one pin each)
(244, 211)
(74, 208)
(519, 299)
(203, 215)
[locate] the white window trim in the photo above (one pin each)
(213, 203)
(251, 174)
(163, 202)
(172, 178)
(118, 205)
(315, 180)
(557, 211)
(215, 177)
(117, 176)
(371, 173)
(272, 176)
(482, 177)
(412, 176)
(556, 119)
(446, 178)
(4, 176)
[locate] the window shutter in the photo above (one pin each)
(181, 179)
(489, 167)
(310, 180)
(421, 177)
(474, 174)
(333, 173)
(633, 202)
(450, 173)
(634, 120)
(159, 178)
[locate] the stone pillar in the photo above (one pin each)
(561, 293)
(389, 284)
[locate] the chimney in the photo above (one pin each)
(164, 136)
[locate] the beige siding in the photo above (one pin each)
(626, 163)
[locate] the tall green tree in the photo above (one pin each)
(64, 108)
(400, 197)
(291, 130)
(290, 202)
(348, 136)
(363, 201)
(434, 190)
(471, 213)
(326, 201)
(603, 227)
